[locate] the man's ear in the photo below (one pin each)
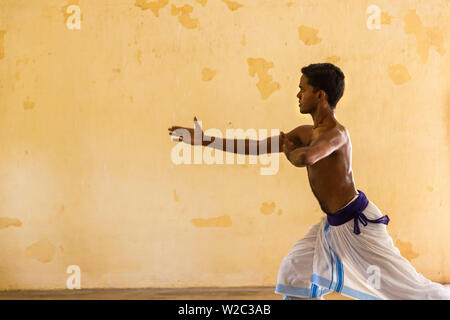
(323, 94)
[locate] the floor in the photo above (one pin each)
(245, 293)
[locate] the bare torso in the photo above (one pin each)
(331, 178)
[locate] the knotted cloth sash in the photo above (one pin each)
(354, 211)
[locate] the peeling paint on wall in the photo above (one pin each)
(385, 18)
(232, 5)
(208, 74)
(202, 2)
(425, 36)
(333, 59)
(244, 41)
(399, 74)
(184, 17)
(267, 208)
(175, 196)
(2, 46)
(28, 105)
(222, 221)
(406, 250)
(42, 251)
(260, 67)
(139, 56)
(8, 222)
(308, 35)
(154, 6)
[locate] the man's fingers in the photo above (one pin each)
(174, 138)
(176, 128)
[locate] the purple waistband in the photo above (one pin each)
(354, 211)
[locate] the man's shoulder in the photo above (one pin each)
(342, 133)
(335, 132)
(343, 129)
(306, 134)
(339, 127)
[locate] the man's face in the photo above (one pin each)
(307, 98)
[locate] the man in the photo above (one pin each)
(349, 251)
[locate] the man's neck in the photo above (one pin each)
(322, 113)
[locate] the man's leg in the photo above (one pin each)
(296, 269)
(375, 268)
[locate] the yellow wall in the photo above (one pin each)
(86, 176)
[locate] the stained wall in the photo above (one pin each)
(89, 88)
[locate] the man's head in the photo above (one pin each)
(320, 82)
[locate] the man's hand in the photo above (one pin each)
(296, 155)
(187, 134)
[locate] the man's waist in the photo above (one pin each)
(354, 210)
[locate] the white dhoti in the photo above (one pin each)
(361, 266)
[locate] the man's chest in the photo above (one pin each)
(314, 135)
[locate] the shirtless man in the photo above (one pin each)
(324, 149)
(316, 264)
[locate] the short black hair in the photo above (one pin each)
(326, 77)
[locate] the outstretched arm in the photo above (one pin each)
(247, 146)
(240, 146)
